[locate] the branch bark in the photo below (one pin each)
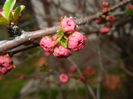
(28, 36)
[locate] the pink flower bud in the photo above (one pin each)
(68, 25)
(105, 4)
(130, 7)
(72, 69)
(60, 51)
(105, 30)
(5, 64)
(105, 10)
(47, 43)
(111, 18)
(63, 78)
(98, 21)
(87, 70)
(1, 77)
(76, 41)
(83, 79)
(21, 77)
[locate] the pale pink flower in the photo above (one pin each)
(63, 78)
(68, 25)
(47, 43)
(5, 64)
(60, 51)
(76, 41)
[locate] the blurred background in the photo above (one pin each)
(110, 56)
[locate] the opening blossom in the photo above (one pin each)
(76, 41)
(47, 43)
(61, 51)
(63, 78)
(68, 25)
(5, 64)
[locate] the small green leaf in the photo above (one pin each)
(3, 20)
(17, 12)
(110, 14)
(60, 34)
(129, 12)
(63, 42)
(8, 7)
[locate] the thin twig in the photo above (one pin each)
(27, 36)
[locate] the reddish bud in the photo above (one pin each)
(68, 25)
(72, 69)
(105, 10)
(47, 43)
(21, 77)
(61, 52)
(105, 4)
(130, 7)
(83, 79)
(76, 41)
(5, 64)
(105, 30)
(1, 77)
(98, 21)
(87, 70)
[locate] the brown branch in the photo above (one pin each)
(28, 36)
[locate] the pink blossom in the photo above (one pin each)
(76, 41)
(63, 78)
(130, 7)
(105, 30)
(47, 43)
(88, 70)
(111, 18)
(83, 79)
(5, 64)
(60, 51)
(105, 10)
(1, 77)
(68, 25)
(105, 3)
(72, 69)
(21, 77)
(98, 21)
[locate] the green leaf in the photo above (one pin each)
(8, 7)
(63, 42)
(17, 12)
(110, 14)
(129, 12)
(3, 20)
(60, 34)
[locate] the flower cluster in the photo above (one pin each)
(5, 64)
(66, 40)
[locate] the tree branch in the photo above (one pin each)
(28, 36)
